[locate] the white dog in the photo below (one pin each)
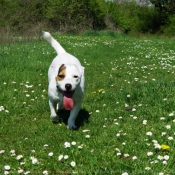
(66, 82)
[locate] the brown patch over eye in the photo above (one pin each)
(61, 73)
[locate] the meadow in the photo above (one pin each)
(127, 120)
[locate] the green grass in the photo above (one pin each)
(137, 78)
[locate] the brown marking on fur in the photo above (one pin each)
(61, 73)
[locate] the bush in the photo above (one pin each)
(169, 29)
(131, 17)
(77, 16)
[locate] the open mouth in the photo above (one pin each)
(68, 102)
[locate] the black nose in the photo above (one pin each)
(68, 87)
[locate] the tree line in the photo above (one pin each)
(76, 16)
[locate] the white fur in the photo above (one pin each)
(73, 67)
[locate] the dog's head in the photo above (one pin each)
(67, 79)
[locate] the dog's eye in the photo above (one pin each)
(61, 76)
(75, 76)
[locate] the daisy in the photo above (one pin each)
(2, 151)
(125, 173)
(60, 157)
(67, 145)
(118, 154)
(87, 136)
(126, 155)
(166, 157)
(27, 172)
(7, 167)
(160, 157)
(149, 153)
(20, 171)
(134, 158)
(164, 162)
(50, 154)
(86, 130)
(157, 146)
(19, 157)
(66, 157)
(34, 160)
(73, 164)
(168, 126)
(149, 134)
(80, 147)
(45, 172)
(171, 114)
(6, 172)
(73, 143)
(147, 168)
(144, 122)
(133, 109)
(170, 138)
(163, 133)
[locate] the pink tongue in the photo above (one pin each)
(68, 103)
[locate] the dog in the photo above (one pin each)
(66, 83)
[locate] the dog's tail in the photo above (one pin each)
(58, 48)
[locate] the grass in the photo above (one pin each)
(126, 124)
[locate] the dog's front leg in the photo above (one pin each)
(73, 115)
(53, 109)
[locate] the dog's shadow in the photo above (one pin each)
(82, 118)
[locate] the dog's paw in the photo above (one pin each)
(71, 124)
(73, 127)
(55, 119)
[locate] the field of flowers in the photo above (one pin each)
(126, 124)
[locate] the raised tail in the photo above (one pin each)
(58, 48)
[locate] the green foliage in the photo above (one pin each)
(20, 15)
(130, 17)
(169, 29)
(77, 16)
(166, 8)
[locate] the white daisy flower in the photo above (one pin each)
(67, 145)
(73, 143)
(166, 157)
(19, 157)
(60, 157)
(7, 167)
(66, 157)
(144, 122)
(149, 134)
(87, 136)
(73, 164)
(45, 172)
(50, 154)
(160, 157)
(149, 153)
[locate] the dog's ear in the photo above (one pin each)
(61, 68)
(80, 69)
(56, 68)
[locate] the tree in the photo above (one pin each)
(165, 8)
(165, 5)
